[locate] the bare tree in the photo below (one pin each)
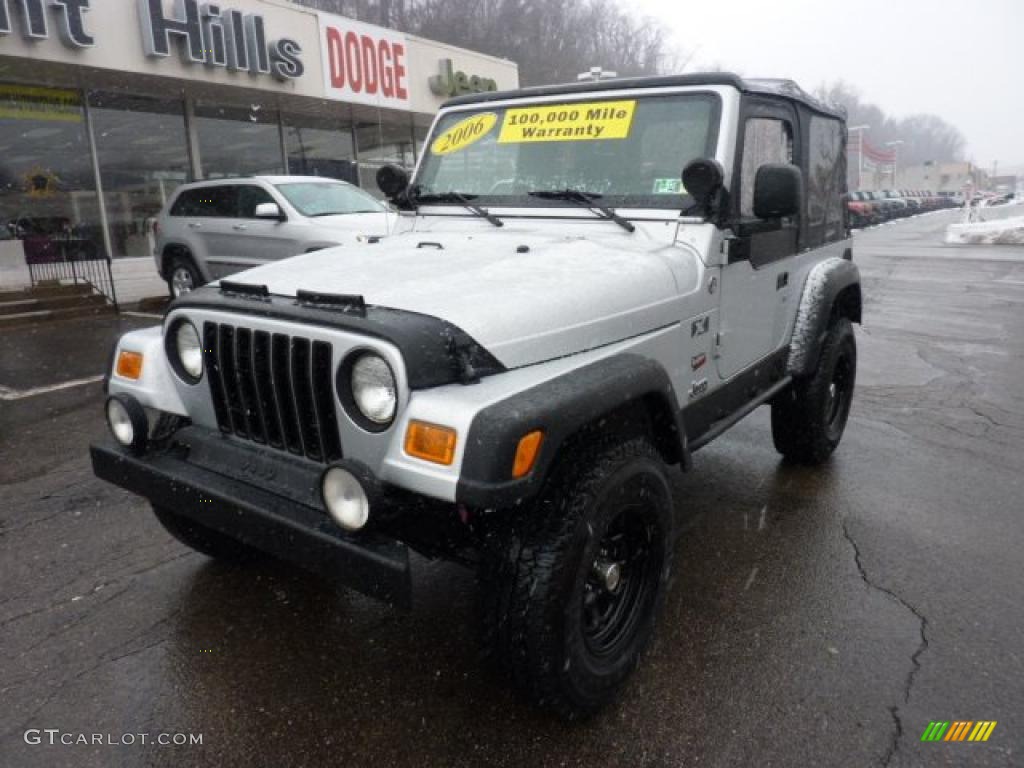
(551, 41)
(925, 137)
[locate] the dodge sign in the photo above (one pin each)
(364, 64)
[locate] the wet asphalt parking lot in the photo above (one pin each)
(816, 617)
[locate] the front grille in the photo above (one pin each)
(273, 389)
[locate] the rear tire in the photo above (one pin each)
(202, 539)
(182, 275)
(809, 417)
(571, 598)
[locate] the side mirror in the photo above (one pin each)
(778, 191)
(702, 180)
(269, 211)
(393, 180)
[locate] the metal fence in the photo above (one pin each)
(66, 263)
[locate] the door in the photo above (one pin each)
(219, 207)
(200, 218)
(755, 281)
(258, 241)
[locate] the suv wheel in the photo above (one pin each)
(809, 418)
(202, 539)
(570, 604)
(182, 276)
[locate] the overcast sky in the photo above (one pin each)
(962, 61)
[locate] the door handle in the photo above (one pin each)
(195, 225)
(239, 227)
(782, 281)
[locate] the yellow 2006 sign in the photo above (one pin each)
(464, 133)
(568, 122)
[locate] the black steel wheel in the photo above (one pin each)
(809, 418)
(571, 597)
(620, 583)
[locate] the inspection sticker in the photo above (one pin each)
(568, 122)
(464, 133)
(668, 187)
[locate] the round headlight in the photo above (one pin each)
(189, 349)
(373, 389)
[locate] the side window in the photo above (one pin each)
(765, 140)
(825, 172)
(249, 196)
(217, 201)
(193, 202)
(223, 201)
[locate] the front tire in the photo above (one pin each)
(202, 539)
(571, 604)
(809, 417)
(182, 276)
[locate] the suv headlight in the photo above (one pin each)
(374, 392)
(185, 351)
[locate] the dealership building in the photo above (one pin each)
(106, 107)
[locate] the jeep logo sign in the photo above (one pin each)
(452, 82)
(364, 64)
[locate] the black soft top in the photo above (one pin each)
(782, 88)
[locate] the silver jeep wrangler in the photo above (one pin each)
(586, 284)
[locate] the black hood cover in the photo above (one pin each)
(435, 351)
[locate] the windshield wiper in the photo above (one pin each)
(586, 200)
(464, 200)
(340, 213)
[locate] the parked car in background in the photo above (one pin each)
(899, 206)
(212, 229)
(861, 211)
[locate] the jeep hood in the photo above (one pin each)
(525, 298)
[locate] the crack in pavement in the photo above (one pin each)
(894, 710)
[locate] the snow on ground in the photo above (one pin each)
(1009, 231)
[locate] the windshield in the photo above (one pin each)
(631, 151)
(317, 198)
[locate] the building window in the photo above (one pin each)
(238, 142)
(143, 156)
(320, 146)
(381, 144)
(48, 203)
(420, 129)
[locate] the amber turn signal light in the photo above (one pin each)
(527, 452)
(430, 442)
(129, 365)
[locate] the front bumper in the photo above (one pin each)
(199, 478)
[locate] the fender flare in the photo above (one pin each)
(825, 283)
(562, 407)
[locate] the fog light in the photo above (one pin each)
(345, 498)
(127, 421)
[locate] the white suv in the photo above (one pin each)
(211, 229)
